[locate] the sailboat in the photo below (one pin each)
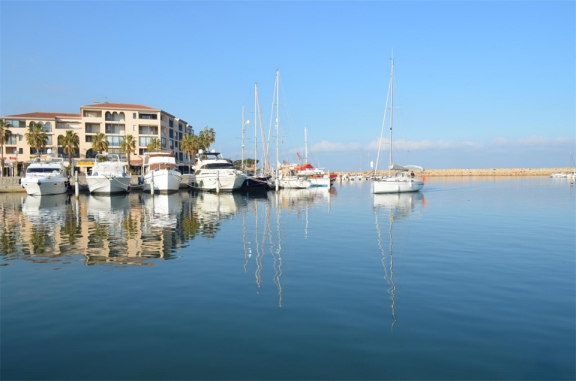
(255, 180)
(400, 179)
(285, 176)
(318, 177)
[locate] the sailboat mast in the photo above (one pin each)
(305, 144)
(255, 125)
(243, 123)
(277, 128)
(391, 113)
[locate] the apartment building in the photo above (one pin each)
(115, 120)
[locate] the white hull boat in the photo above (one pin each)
(400, 179)
(161, 169)
(45, 177)
(108, 175)
(214, 173)
(294, 183)
(399, 184)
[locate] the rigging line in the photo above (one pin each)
(392, 289)
(382, 128)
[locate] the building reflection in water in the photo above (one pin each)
(393, 207)
(136, 228)
(118, 229)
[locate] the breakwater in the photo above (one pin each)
(475, 172)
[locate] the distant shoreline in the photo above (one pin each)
(479, 172)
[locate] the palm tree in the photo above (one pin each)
(99, 143)
(70, 143)
(128, 146)
(5, 134)
(154, 145)
(207, 137)
(190, 144)
(36, 137)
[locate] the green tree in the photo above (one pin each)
(99, 142)
(70, 143)
(128, 146)
(5, 135)
(190, 145)
(207, 136)
(154, 145)
(36, 137)
(248, 163)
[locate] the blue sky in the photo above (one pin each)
(479, 84)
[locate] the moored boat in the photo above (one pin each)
(400, 179)
(108, 175)
(214, 173)
(45, 177)
(161, 169)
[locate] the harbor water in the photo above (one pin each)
(471, 279)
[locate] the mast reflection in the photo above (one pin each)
(398, 206)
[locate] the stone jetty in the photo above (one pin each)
(475, 172)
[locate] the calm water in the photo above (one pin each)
(473, 278)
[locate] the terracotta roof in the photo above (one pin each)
(129, 106)
(43, 115)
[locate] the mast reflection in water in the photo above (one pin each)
(393, 207)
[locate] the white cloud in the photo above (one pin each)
(325, 146)
(418, 145)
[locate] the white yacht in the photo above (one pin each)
(289, 179)
(45, 177)
(162, 169)
(108, 175)
(214, 173)
(400, 179)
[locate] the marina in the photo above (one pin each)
(317, 283)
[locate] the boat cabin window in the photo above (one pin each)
(41, 170)
(218, 166)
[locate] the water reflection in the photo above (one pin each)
(118, 229)
(394, 207)
(263, 233)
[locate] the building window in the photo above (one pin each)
(147, 116)
(21, 151)
(133, 115)
(92, 114)
(114, 141)
(171, 122)
(15, 123)
(163, 142)
(143, 141)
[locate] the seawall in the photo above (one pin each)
(478, 172)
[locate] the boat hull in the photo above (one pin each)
(320, 181)
(45, 186)
(258, 182)
(394, 185)
(217, 182)
(108, 184)
(288, 183)
(165, 181)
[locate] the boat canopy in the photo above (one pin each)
(395, 167)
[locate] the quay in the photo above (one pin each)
(11, 184)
